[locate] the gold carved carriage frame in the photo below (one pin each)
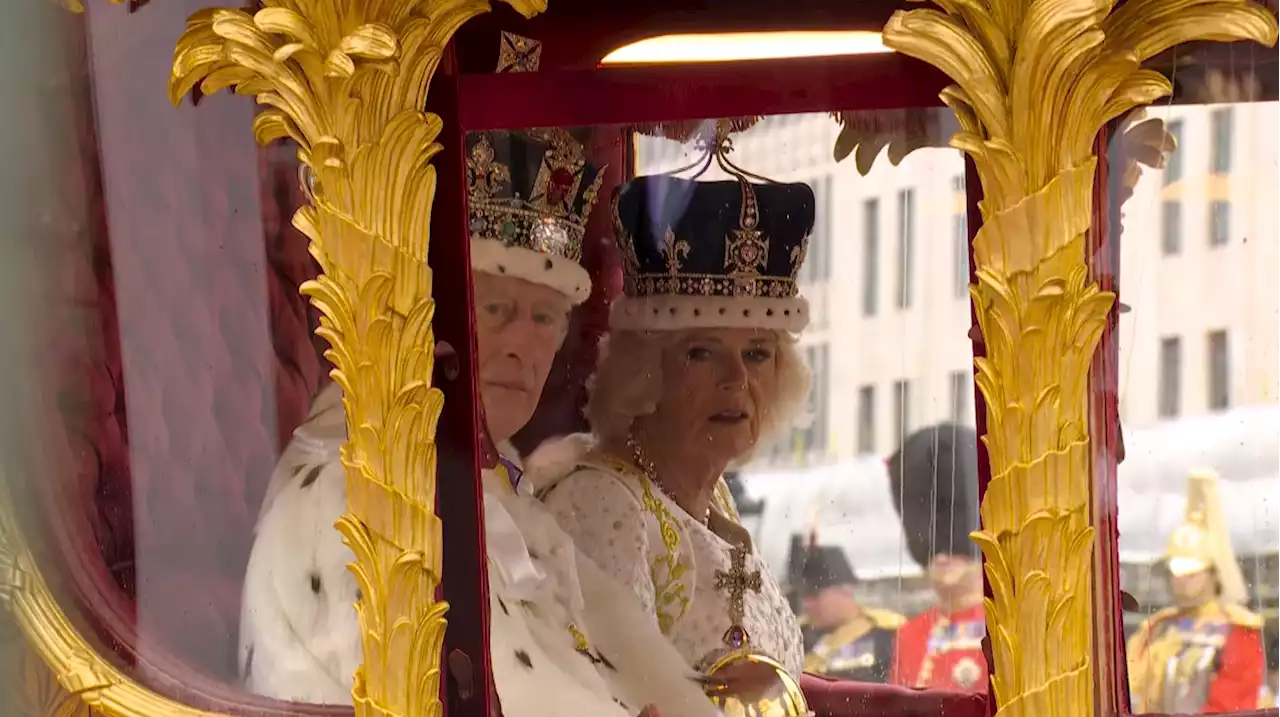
(1036, 81)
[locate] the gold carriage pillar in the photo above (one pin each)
(347, 81)
(1036, 81)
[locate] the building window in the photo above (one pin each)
(906, 245)
(962, 397)
(1219, 223)
(1220, 154)
(813, 439)
(960, 240)
(1219, 371)
(1171, 228)
(817, 259)
(870, 256)
(867, 419)
(1170, 377)
(902, 409)
(1173, 166)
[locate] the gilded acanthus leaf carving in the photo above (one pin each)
(1144, 142)
(865, 134)
(1035, 82)
(707, 130)
(347, 81)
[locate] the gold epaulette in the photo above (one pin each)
(1160, 616)
(884, 619)
(1235, 614)
(1243, 617)
(1138, 639)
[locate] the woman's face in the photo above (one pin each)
(718, 386)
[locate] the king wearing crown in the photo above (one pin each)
(564, 638)
(1204, 654)
(529, 201)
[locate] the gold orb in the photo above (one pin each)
(745, 684)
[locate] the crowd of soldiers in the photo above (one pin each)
(1205, 653)
(942, 647)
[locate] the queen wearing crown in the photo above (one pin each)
(701, 368)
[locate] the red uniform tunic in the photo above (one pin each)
(1238, 685)
(942, 651)
(1200, 661)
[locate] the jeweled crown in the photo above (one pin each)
(732, 238)
(531, 190)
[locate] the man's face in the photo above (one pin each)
(954, 574)
(1191, 589)
(519, 327)
(825, 608)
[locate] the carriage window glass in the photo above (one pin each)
(1199, 481)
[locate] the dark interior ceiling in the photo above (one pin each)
(577, 33)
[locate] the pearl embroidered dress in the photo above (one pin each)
(674, 564)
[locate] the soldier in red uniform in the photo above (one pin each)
(935, 488)
(1204, 654)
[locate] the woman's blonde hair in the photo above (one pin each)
(629, 383)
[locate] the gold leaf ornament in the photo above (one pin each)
(705, 130)
(346, 80)
(1144, 142)
(1036, 81)
(867, 133)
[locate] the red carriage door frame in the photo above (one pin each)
(633, 95)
